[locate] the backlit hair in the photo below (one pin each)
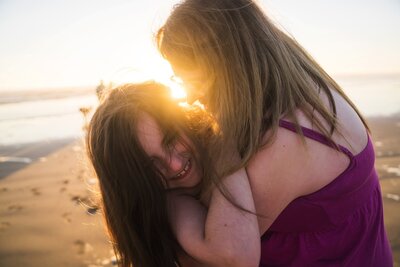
(258, 73)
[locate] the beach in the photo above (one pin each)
(49, 212)
(61, 59)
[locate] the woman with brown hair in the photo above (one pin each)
(152, 159)
(305, 146)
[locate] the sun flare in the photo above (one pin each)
(176, 87)
(165, 75)
(159, 71)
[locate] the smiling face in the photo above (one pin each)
(177, 163)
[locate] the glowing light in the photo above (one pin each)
(166, 76)
(177, 90)
(159, 71)
(199, 104)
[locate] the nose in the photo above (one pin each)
(175, 164)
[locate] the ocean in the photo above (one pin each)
(43, 116)
(53, 115)
(374, 95)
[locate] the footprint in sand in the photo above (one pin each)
(66, 217)
(76, 199)
(82, 200)
(91, 207)
(92, 210)
(3, 189)
(4, 226)
(15, 208)
(82, 247)
(65, 182)
(36, 191)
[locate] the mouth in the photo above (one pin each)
(184, 172)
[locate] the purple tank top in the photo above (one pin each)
(338, 225)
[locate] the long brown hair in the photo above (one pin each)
(132, 191)
(259, 73)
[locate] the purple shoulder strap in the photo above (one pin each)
(314, 135)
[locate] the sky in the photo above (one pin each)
(71, 43)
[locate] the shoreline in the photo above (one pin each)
(18, 156)
(19, 96)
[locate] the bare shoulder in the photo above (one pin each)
(289, 168)
(353, 134)
(278, 175)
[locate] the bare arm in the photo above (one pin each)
(187, 261)
(223, 235)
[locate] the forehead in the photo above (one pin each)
(149, 134)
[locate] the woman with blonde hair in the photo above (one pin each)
(305, 146)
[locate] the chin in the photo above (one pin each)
(191, 183)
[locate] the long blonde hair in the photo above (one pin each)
(260, 73)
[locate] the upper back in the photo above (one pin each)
(289, 168)
(323, 206)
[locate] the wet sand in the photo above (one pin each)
(16, 157)
(49, 215)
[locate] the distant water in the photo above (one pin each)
(29, 118)
(49, 119)
(373, 95)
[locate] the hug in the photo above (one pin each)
(276, 170)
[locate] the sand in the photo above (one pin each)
(386, 136)
(44, 218)
(49, 216)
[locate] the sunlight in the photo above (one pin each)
(177, 89)
(165, 75)
(162, 73)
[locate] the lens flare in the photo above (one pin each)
(176, 86)
(160, 71)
